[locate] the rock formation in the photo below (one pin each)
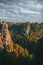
(5, 38)
(28, 29)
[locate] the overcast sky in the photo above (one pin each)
(21, 10)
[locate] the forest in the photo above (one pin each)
(27, 48)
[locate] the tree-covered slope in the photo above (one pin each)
(21, 43)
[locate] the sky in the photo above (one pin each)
(21, 10)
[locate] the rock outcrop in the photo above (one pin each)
(28, 29)
(5, 38)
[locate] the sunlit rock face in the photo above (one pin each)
(6, 34)
(1, 42)
(28, 29)
(5, 38)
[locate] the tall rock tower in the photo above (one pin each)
(6, 35)
(28, 29)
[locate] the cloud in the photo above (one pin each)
(39, 6)
(28, 11)
(31, 4)
(6, 1)
(22, 4)
(20, 10)
(40, 1)
(4, 17)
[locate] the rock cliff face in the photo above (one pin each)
(5, 38)
(28, 29)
